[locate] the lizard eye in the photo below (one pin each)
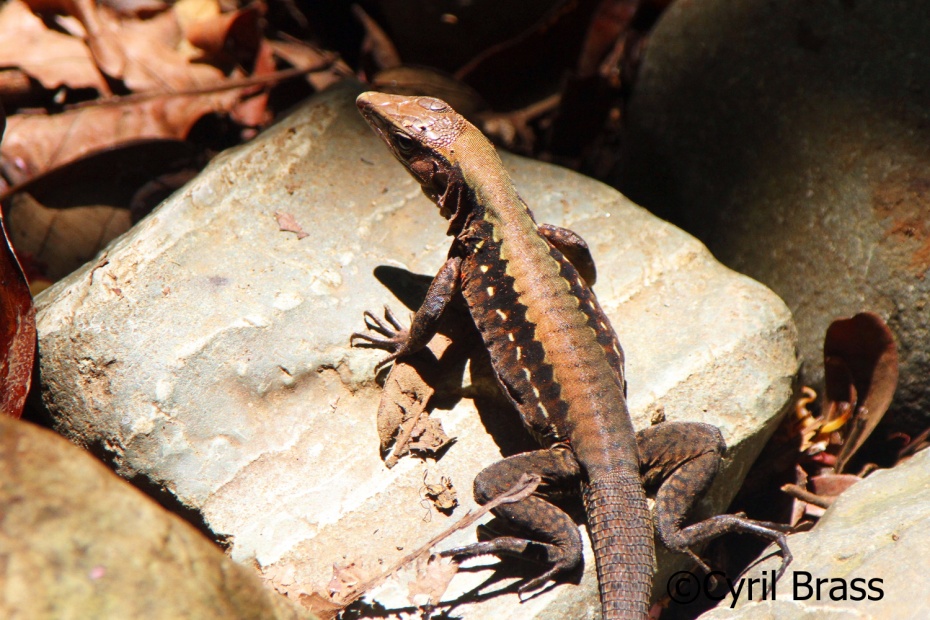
(404, 142)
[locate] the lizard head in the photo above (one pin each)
(421, 132)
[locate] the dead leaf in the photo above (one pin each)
(860, 362)
(832, 485)
(17, 333)
(377, 45)
(288, 223)
(345, 580)
(432, 580)
(62, 239)
(252, 110)
(324, 608)
(442, 495)
(155, 59)
(237, 31)
(17, 326)
(38, 142)
(303, 56)
(52, 58)
(403, 399)
(428, 436)
(135, 8)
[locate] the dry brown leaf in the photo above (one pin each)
(62, 239)
(861, 363)
(252, 110)
(428, 436)
(403, 399)
(39, 142)
(100, 36)
(154, 57)
(239, 30)
(432, 580)
(324, 608)
(135, 8)
(288, 223)
(442, 495)
(302, 56)
(52, 58)
(345, 581)
(377, 45)
(832, 485)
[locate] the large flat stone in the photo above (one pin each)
(207, 350)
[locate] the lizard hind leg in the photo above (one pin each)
(553, 538)
(684, 457)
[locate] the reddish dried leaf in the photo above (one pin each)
(832, 485)
(610, 21)
(17, 333)
(859, 353)
(238, 30)
(52, 58)
(253, 111)
(287, 223)
(17, 326)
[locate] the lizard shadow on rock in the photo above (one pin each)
(522, 571)
(497, 414)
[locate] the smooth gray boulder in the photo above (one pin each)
(793, 138)
(871, 546)
(207, 350)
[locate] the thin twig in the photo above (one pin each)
(271, 78)
(823, 501)
(403, 438)
(521, 490)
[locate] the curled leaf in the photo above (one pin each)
(17, 333)
(861, 369)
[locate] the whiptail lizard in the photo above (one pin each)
(559, 362)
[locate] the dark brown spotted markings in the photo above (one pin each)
(559, 362)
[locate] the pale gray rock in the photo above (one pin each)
(793, 138)
(879, 529)
(207, 350)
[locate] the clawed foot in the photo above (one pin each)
(555, 557)
(766, 529)
(394, 340)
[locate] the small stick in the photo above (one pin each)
(804, 495)
(521, 490)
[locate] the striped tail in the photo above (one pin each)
(620, 526)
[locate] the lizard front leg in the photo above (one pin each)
(553, 538)
(684, 458)
(400, 341)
